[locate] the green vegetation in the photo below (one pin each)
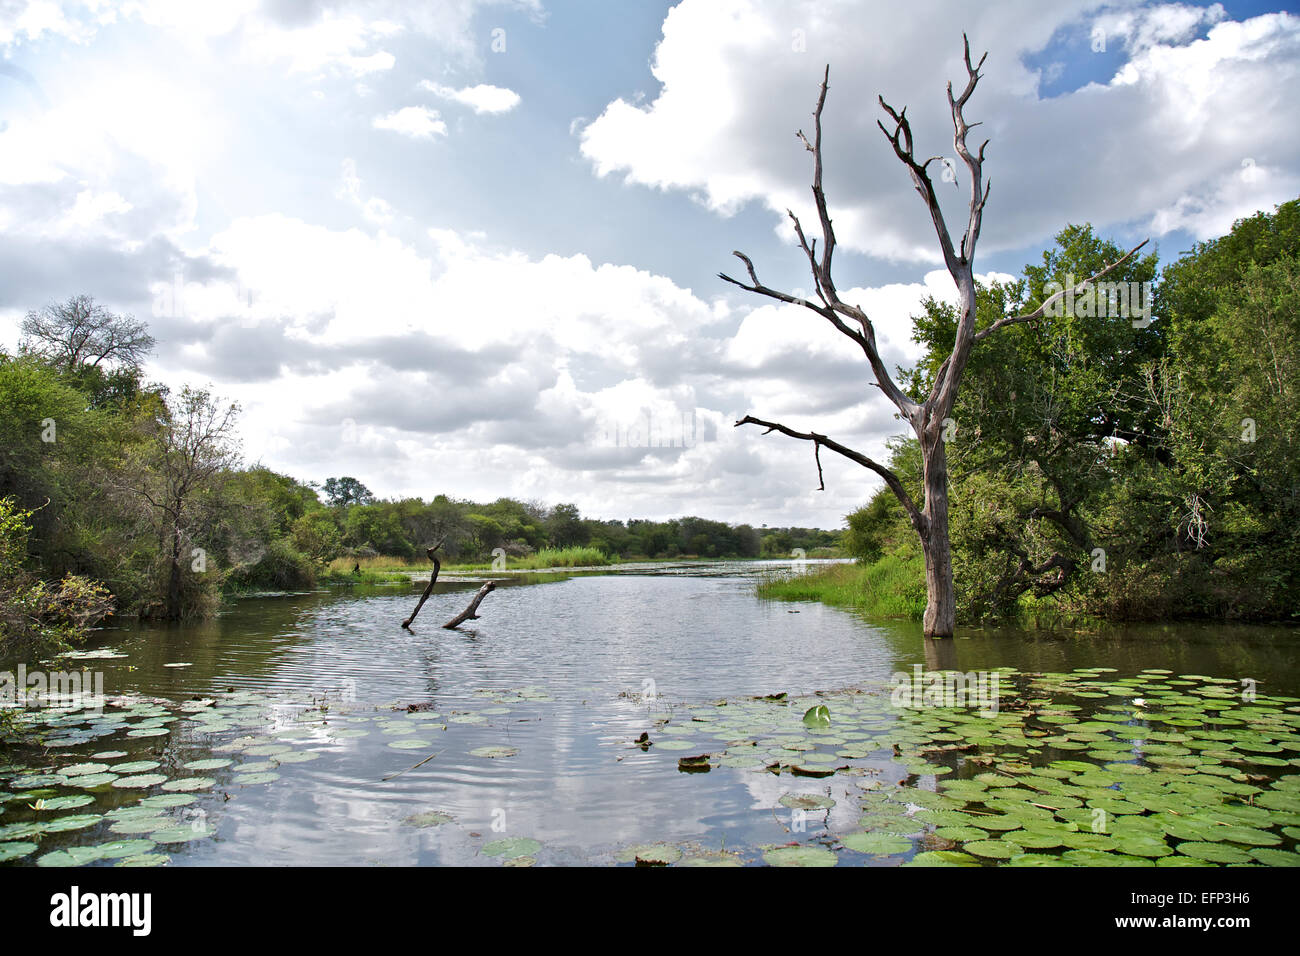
(1105, 468)
(37, 618)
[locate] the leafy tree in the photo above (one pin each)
(342, 492)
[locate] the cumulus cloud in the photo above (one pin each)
(739, 76)
(483, 98)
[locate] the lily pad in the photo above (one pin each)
(806, 801)
(494, 752)
(877, 844)
(800, 856)
(512, 847)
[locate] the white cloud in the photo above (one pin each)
(1180, 115)
(418, 122)
(482, 98)
(1166, 23)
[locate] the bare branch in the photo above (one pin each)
(891, 479)
(824, 311)
(1039, 312)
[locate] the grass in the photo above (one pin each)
(890, 587)
(381, 569)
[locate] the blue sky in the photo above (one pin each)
(470, 247)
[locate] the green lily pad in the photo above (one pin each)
(512, 847)
(429, 818)
(800, 856)
(212, 763)
(1214, 852)
(817, 716)
(15, 850)
(77, 821)
(140, 781)
(252, 779)
(658, 854)
(806, 801)
(180, 834)
(494, 752)
(877, 844)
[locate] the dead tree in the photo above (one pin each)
(428, 589)
(927, 418)
(469, 614)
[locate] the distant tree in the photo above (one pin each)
(81, 333)
(345, 491)
(565, 528)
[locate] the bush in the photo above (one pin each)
(39, 619)
(281, 568)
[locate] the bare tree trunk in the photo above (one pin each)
(428, 588)
(941, 601)
(469, 614)
(174, 579)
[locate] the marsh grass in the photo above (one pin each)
(891, 587)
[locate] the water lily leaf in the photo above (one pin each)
(806, 801)
(13, 851)
(1265, 855)
(817, 716)
(167, 800)
(251, 779)
(142, 824)
(494, 752)
(77, 821)
(993, 849)
(962, 834)
(800, 856)
(512, 847)
(942, 858)
(67, 803)
(140, 781)
(299, 756)
(658, 854)
(877, 844)
(117, 849)
(429, 818)
(212, 763)
(180, 834)
(1214, 852)
(134, 766)
(71, 856)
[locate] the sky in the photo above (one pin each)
(471, 247)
